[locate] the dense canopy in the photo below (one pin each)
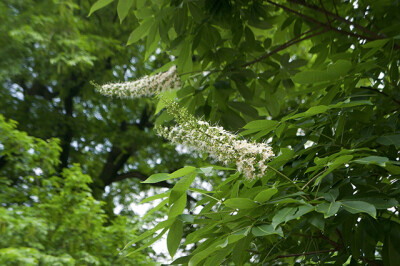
(317, 81)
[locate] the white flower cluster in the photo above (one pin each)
(146, 86)
(250, 158)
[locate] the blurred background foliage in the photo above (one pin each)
(73, 155)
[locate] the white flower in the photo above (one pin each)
(146, 86)
(250, 158)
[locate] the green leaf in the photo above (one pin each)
(181, 261)
(174, 237)
(376, 43)
(389, 140)
(157, 208)
(164, 176)
(222, 243)
(98, 5)
(359, 206)
(185, 63)
(335, 71)
(218, 257)
(339, 68)
(181, 187)
(328, 209)
(272, 103)
(157, 178)
(260, 125)
(338, 162)
(281, 215)
(265, 230)
(178, 206)
(123, 8)
(265, 195)
(196, 12)
(301, 210)
(182, 172)
(148, 243)
(231, 239)
(240, 203)
(157, 196)
(186, 218)
(378, 160)
(140, 31)
(164, 224)
(318, 221)
(390, 249)
(312, 76)
(152, 41)
(394, 170)
(312, 111)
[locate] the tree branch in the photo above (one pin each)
(382, 93)
(299, 254)
(339, 18)
(319, 22)
(36, 89)
(286, 45)
(68, 133)
(326, 14)
(323, 237)
(3, 161)
(307, 253)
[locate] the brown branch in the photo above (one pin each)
(321, 236)
(307, 253)
(327, 239)
(298, 254)
(35, 89)
(370, 262)
(319, 22)
(382, 93)
(334, 6)
(326, 14)
(284, 46)
(3, 161)
(68, 130)
(339, 18)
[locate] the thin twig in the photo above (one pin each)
(319, 22)
(321, 236)
(307, 253)
(312, 179)
(334, 5)
(339, 18)
(285, 176)
(326, 14)
(382, 93)
(283, 46)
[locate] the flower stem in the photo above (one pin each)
(285, 176)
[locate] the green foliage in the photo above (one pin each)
(48, 220)
(317, 80)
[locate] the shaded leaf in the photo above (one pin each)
(328, 209)
(174, 237)
(98, 5)
(265, 195)
(240, 203)
(265, 230)
(358, 207)
(140, 31)
(123, 8)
